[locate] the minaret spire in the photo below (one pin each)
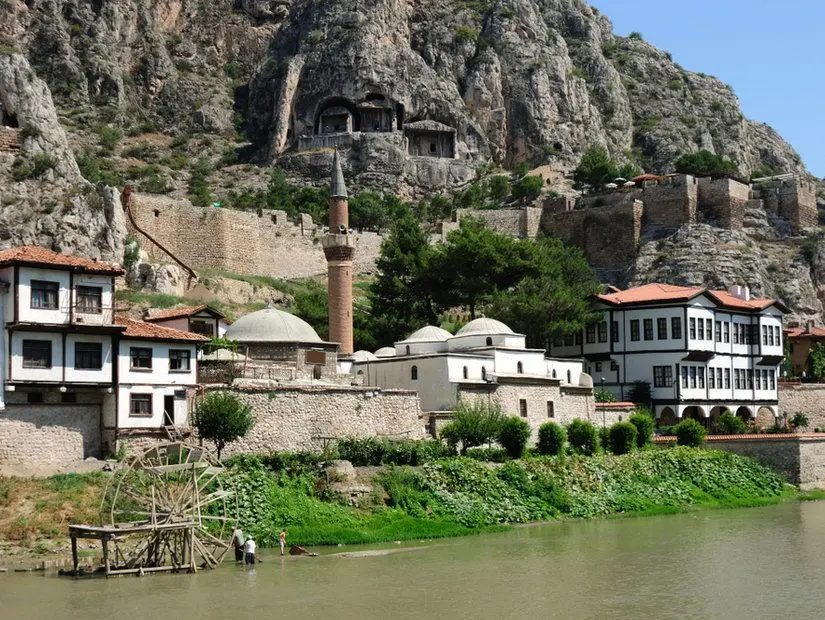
(339, 250)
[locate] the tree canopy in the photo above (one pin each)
(704, 163)
(596, 169)
(222, 418)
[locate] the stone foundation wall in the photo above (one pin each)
(807, 398)
(9, 139)
(671, 202)
(265, 242)
(608, 235)
(299, 418)
(45, 434)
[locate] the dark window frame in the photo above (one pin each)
(414, 373)
(692, 327)
(50, 295)
(522, 407)
(138, 354)
(180, 355)
(635, 334)
(647, 326)
(676, 328)
(551, 409)
(142, 397)
(663, 376)
(603, 331)
(93, 294)
(93, 351)
(661, 328)
(30, 346)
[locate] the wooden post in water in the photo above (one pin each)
(74, 553)
(106, 555)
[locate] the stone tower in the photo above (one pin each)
(339, 249)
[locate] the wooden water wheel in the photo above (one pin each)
(168, 510)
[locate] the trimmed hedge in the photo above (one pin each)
(552, 438)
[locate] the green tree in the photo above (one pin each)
(583, 437)
(643, 420)
(369, 210)
(399, 297)
(553, 298)
(552, 438)
(474, 263)
(513, 435)
(498, 186)
(473, 425)
(816, 360)
(622, 437)
(527, 188)
(729, 424)
(600, 395)
(640, 393)
(704, 163)
(222, 418)
(690, 433)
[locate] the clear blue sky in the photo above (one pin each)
(769, 51)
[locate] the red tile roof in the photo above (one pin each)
(41, 257)
(147, 331)
(802, 332)
(729, 301)
(652, 293)
(176, 313)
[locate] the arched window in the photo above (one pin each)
(519, 368)
(414, 373)
(408, 349)
(316, 372)
(465, 372)
(569, 380)
(554, 373)
(484, 373)
(489, 341)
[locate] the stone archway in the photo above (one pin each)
(717, 411)
(667, 417)
(697, 413)
(744, 413)
(765, 417)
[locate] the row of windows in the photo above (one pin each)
(45, 296)
(705, 329)
(693, 377)
(465, 371)
(89, 356)
(661, 329)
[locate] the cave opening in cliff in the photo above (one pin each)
(337, 115)
(7, 119)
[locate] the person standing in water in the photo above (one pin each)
(249, 551)
(282, 540)
(238, 544)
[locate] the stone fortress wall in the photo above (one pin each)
(609, 225)
(265, 242)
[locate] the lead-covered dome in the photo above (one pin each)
(429, 333)
(363, 356)
(271, 325)
(385, 352)
(483, 327)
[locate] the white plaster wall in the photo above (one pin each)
(158, 392)
(160, 373)
(474, 365)
(18, 373)
(37, 315)
(506, 362)
(104, 375)
(475, 341)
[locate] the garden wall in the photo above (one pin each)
(807, 398)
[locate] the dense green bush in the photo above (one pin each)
(582, 437)
(222, 418)
(729, 424)
(513, 435)
(473, 425)
(488, 455)
(644, 424)
(552, 438)
(601, 395)
(704, 163)
(528, 188)
(690, 433)
(373, 451)
(622, 437)
(640, 393)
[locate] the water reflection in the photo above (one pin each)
(751, 563)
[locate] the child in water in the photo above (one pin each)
(249, 551)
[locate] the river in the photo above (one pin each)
(745, 563)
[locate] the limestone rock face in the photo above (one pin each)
(45, 200)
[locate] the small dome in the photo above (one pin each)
(430, 333)
(385, 352)
(271, 325)
(484, 326)
(363, 356)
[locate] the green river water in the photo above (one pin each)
(747, 563)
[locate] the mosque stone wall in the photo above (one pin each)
(305, 417)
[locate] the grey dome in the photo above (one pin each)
(271, 325)
(363, 356)
(484, 327)
(430, 333)
(385, 352)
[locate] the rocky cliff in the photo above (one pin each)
(419, 95)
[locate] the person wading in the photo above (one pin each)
(238, 544)
(249, 551)
(282, 540)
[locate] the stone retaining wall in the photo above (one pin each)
(807, 398)
(300, 418)
(46, 434)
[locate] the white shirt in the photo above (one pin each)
(249, 546)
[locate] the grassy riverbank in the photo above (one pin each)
(444, 497)
(457, 496)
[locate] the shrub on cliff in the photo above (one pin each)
(644, 423)
(222, 418)
(704, 163)
(583, 437)
(622, 438)
(513, 435)
(690, 433)
(552, 438)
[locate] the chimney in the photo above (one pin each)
(740, 291)
(809, 326)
